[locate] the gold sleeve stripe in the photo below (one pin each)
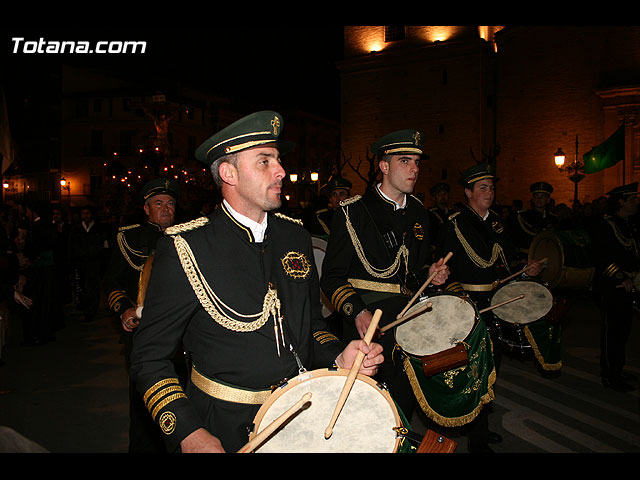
(154, 388)
(454, 287)
(165, 402)
(115, 296)
(324, 337)
(611, 270)
(346, 294)
(154, 399)
(337, 291)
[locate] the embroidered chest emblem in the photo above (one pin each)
(497, 227)
(418, 231)
(296, 265)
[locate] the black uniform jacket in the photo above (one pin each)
(238, 272)
(135, 243)
(615, 251)
(468, 236)
(526, 224)
(381, 230)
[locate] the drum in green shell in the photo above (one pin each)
(456, 396)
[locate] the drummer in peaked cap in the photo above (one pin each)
(482, 255)
(240, 290)
(378, 253)
(337, 189)
(528, 223)
(123, 280)
(617, 260)
(440, 211)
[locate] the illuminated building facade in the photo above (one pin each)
(512, 95)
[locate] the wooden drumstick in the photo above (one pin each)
(353, 373)
(144, 283)
(501, 304)
(424, 285)
(273, 426)
(521, 271)
(426, 306)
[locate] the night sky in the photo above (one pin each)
(266, 66)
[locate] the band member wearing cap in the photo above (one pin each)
(338, 189)
(378, 252)
(482, 254)
(240, 290)
(440, 211)
(135, 243)
(617, 261)
(528, 223)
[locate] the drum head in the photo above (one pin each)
(537, 302)
(365, 425)
(449, 321)
(547, 245)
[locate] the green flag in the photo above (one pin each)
(605, 155)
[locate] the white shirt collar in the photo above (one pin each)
(397, 205)
(257, 229)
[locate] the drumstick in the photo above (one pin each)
(501, 304)
(402, 319)
(521, 271)
(424, 285)
(144, 283)
(351, 378)
(259, 438)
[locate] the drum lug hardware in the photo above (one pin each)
(382, 386)
(301, 368)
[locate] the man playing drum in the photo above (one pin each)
(482, 254)
(239, 289)
(378, 253)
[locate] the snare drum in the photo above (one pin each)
(537, 302)
(366, 423)
(456, 396)
(569, 259)
(523, 324)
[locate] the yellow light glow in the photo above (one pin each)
(559, 158)
(293, 177)
(375, 47)
(314, 176)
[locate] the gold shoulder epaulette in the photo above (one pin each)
(185, 227)
(419, 201)
(349, 201)
(453, 215)
(128, 227)
(285, 217)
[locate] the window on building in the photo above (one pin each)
(394, 33)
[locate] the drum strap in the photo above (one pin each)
(374, 286)
(226, 392)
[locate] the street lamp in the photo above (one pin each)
(574, 169)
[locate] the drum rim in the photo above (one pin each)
(324, 372)
(414, 307)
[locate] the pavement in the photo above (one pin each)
(70, 395)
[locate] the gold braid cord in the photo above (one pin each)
(125, 248)
(627, 243)
(213, 305)
(475, 258)
(403, 253)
